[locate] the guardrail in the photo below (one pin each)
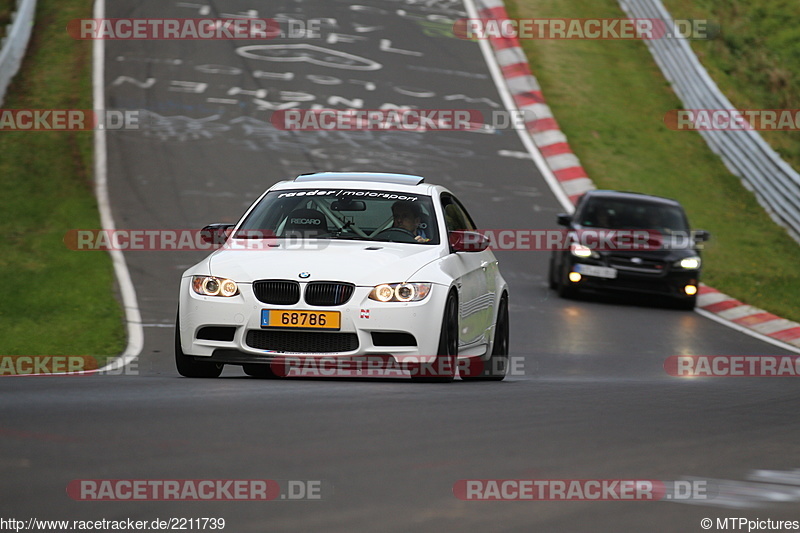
(745, 153)
(15, 43)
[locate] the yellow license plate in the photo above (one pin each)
(274, 318)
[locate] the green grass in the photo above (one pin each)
(7, 7)
(55, 301)
(610, 98)
(756, 59)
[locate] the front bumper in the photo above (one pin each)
(238, 337)
(671, 282)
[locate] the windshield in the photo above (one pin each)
(626, 214)
(343, 214)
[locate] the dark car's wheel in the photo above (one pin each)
(443, 369)
(260, 371)
(552, 276)
(187, 366)
(496, 367)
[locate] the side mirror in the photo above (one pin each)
(468, 241)
(701, 235)
(216, 234)
(564, 219)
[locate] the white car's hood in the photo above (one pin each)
(361, 263)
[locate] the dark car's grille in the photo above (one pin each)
(328, 293)
(642, 286)
(277, 292)
(638, 264)
(302, 342)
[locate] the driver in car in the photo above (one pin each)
(408, 216)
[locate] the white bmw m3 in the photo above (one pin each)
(343, 268)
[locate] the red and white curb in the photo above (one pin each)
(748, 317)
(566, 167)
(546, 134)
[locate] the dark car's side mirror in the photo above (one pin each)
(701, 235)
(215, 234)
(468, 241)
(564, 219)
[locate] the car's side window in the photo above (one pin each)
(456, 217)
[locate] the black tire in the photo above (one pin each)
(187, 366)
(552, 277)
(496, 367)
(446, 362)
(260, 371)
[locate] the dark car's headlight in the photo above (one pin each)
(579, 250)
(400, 292)
(212, 286)
(689, 263)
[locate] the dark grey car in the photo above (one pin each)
(667, 262)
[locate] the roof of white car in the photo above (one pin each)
(362, 180)
(376, 177)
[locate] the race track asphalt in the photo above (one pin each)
(591, 399)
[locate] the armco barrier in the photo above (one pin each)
(15, 43)
(744, 152)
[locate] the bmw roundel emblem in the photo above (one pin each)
(305, 275)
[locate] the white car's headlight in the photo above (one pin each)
(579, 250)
(690, 263)
(211, 286)
(400, 292)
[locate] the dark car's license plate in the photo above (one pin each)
(596, 271)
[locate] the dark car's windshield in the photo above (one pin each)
(615, 213)
(343, 214)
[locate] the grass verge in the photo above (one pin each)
(7, 7)
(755, 61)
(610, 99)
(65, 305)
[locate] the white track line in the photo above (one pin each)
(743, 329)
(510, 104)
(133, 317)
